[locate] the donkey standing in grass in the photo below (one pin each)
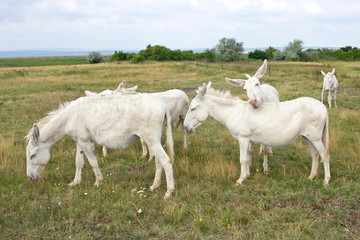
(285, 122)
(115, 121)
(257, 94)
(330, 85)
(176, 101)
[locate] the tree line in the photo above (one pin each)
(229, 49)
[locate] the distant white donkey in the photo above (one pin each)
(257, 94)
(176, 101)
(330, 85)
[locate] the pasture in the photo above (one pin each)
(206, 204)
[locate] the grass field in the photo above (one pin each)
(206, 204)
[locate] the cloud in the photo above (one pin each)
(119, 24)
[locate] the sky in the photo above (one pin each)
(176, 24)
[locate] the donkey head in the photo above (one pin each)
(197, 112)
(37, 155)
(251, 85)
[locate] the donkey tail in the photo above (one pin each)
(169, 138)
(325, 138)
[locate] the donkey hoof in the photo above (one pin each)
(73, 183)
(97, 183)
(237, 183)
(311, 177)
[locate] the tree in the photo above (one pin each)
(95, 57)
(292, 52)
(118, 56)
(137, 58)
(228, 49)
(270, 53)
(257, 54)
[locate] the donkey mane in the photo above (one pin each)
(223, 96)
(47, 119)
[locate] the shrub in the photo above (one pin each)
(137, 58)
(118, 56)
(228, 49)
(257, 54)
(95, 57)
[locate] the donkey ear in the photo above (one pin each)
(121, 85)
(133, 89)
(89, 94)
(236, 82)
(333, 71)
(35, 133)
(261, 72)
(203, 90)
(208, 86)
(247, 75)
(323, 73)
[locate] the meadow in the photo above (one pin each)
(206, 204)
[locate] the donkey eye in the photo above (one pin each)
(256, 85)
(32, 156)
(192, 109)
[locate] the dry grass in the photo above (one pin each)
(281, 204)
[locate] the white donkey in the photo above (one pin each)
(330, 85)
(286, 121)
(176, 101)
(120, 90)
(114, 121)
(257, 94)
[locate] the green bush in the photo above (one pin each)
(228, 49)
(257, 54)
(118, 56)
(95, 57)
(137, 58)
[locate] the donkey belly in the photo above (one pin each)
(276, 140)
(117, 141)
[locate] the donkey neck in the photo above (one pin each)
(221, 109)
(52, 128)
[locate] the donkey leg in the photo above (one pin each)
(104, 151)
(264, 151)
(89, 152)
(251, 150)
(164, 160)
(79, 163)
(144, 148)
(244, 160)
(315, 162)
(158, 172)
(329, 98)
(322, 96)
(335, 98)
(182, 119)
(325, 157)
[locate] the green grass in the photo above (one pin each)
(206, 204)
(44, 61)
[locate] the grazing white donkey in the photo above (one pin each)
(257, 94)
(330, 85)
(115, 122)
(286, 121)
(175, 100)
